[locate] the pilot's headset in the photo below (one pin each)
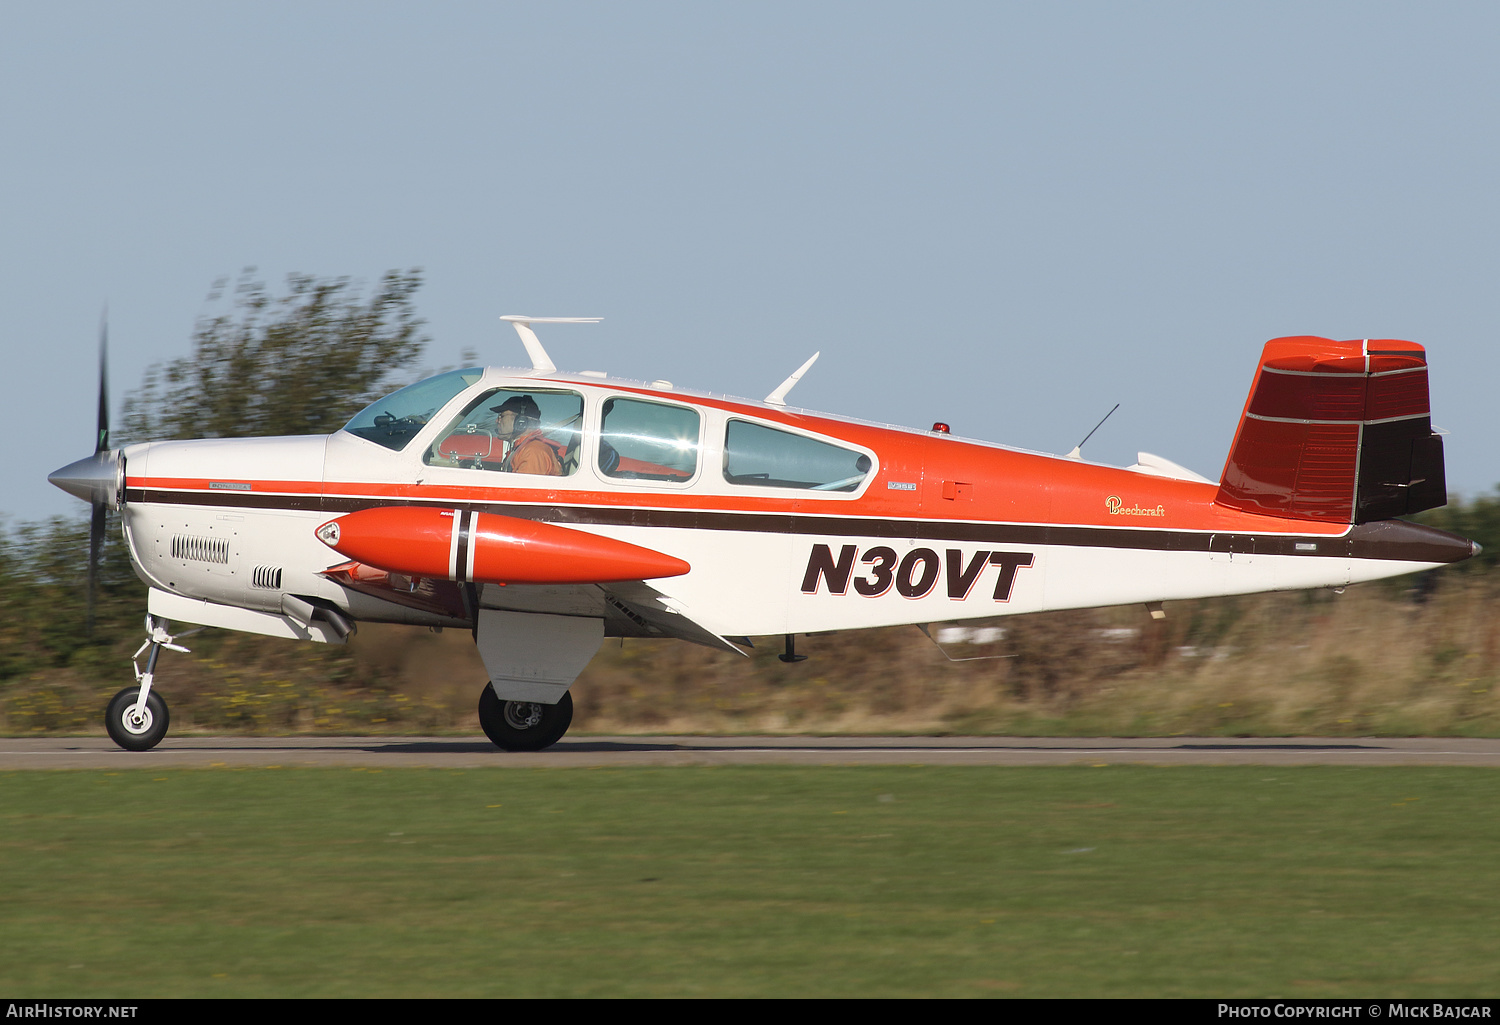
(528, 413)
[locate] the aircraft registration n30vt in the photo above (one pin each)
(545, 511)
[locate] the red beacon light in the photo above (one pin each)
(940, 428)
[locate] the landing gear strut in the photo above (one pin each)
(523, 725)
(136, 718)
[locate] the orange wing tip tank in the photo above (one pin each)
(469, 546)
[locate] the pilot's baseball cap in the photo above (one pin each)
(521, 405)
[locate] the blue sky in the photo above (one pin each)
(1004, 216)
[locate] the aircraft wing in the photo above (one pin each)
(631, 608)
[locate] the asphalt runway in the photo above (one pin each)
(572, 752)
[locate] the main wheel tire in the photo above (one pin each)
(129, 732)
(523, 725)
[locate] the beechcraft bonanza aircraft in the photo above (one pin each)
(545, 511)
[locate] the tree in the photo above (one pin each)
(301, 363)
(44, 598)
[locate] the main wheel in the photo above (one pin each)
(132, 732)
(523, 725)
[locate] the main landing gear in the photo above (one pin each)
(136, 718)
(523, 725)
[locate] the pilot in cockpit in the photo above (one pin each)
(518, 423)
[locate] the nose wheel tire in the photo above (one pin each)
(136, 732)
(523, 725)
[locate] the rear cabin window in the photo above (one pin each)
(514, 431)
(769, 458)
(648, 441)
(394, 420)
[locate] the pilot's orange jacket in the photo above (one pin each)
(533, 453)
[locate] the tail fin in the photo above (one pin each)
(1338, 432)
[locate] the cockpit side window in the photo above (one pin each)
(533, 431)
(396, 419)
(766, 457)
(648, 441)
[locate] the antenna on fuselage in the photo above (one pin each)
(1077, 452)
(540, 361)
(778, 397)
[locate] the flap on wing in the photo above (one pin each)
(657, 614)
(970, 640)
(633, 609)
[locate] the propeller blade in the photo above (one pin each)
(96, 542)
(94, 478)
(101, 442)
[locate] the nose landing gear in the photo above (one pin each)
(137, 719)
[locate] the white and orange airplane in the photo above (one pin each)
(545, 511)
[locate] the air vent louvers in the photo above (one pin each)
(201, 549)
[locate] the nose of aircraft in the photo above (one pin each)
(92, 478)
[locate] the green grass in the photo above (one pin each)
(776, 881)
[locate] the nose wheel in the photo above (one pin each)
(137, 717)
(133, 727)
(523, 725)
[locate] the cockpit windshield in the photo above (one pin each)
(396, 419)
